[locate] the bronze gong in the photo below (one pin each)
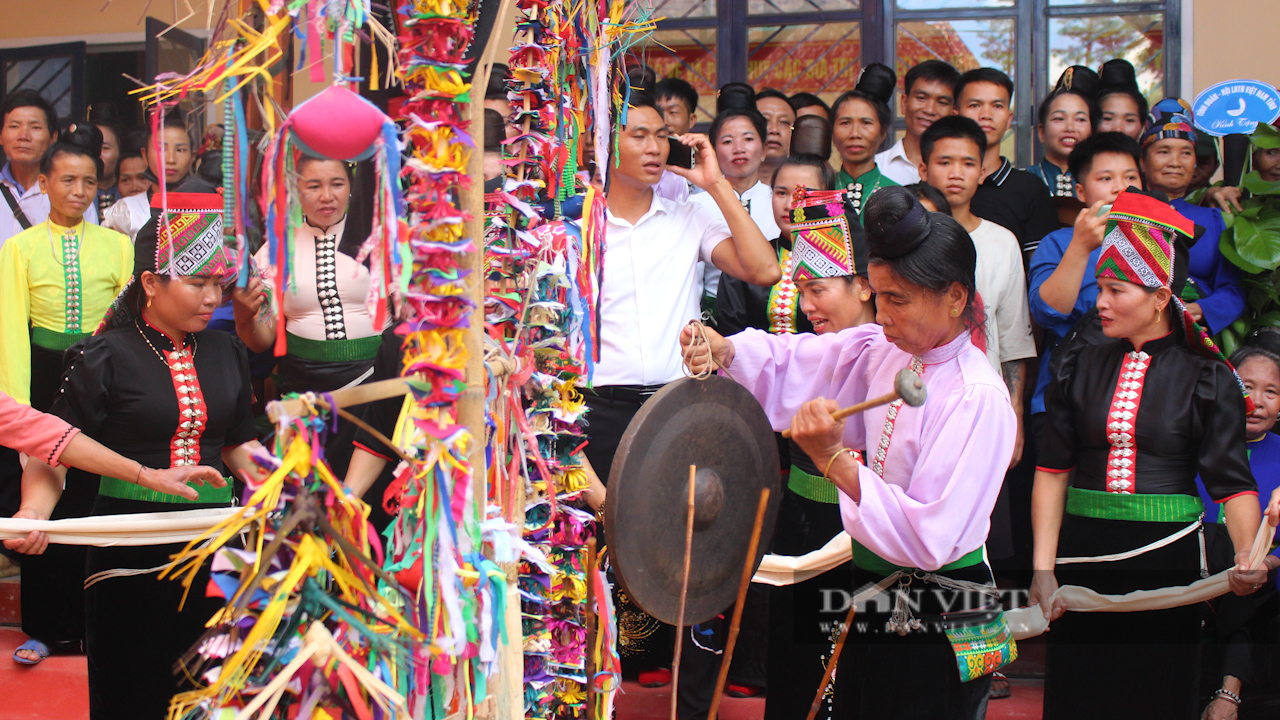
(716, 425)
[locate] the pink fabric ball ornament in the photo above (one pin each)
(337, 124)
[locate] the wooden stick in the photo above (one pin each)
(591, 620)
(831, 664)
(684, 593)
(843, 413)
(747, 571)
(346, 397)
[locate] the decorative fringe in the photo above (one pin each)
(544, 249)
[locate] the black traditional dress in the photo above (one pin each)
(774, 309)
(800, 633)
(1136, 427)
(130, 389)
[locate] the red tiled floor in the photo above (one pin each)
(637, 703)
(56, 689)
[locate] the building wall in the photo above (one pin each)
(1233, 39)
(39, 22)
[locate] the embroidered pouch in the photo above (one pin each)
(981, 640)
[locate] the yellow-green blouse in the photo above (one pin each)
(37, 266)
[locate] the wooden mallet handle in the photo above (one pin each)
(907, 386)
(863, 406)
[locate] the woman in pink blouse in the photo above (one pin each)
(918, 509)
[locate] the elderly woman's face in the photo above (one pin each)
(913, 318)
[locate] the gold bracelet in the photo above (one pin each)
(856, 458)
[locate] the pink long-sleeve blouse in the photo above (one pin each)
(946, 459)
(32, 432)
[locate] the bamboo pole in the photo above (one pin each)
(684, 590)
(509, 701)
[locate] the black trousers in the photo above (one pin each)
(644, 643)
(136, 632)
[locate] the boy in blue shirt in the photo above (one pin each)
(1062, 287)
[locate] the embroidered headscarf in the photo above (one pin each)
(185, 241)
(1148, 243)
(1170, 118)
(826, 238)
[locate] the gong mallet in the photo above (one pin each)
(747, 571)
(684, 592)
(907, 386)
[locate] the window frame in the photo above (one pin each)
(878, 21)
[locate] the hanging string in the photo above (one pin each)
(695, 351)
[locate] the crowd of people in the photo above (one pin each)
(1037, 304)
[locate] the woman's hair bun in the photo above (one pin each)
(878, 81)
(811, 135)
(1117, 74)
(1078, 79)
(896, 223)
(85, 137)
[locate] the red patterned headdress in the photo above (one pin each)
(1147, 243)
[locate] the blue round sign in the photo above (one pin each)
(1236, 107)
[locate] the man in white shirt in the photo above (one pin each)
(953, 149)
(651, 289)
(30, 127)
(927, 97)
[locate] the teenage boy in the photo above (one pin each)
(928, 96)
(1012, 198)
(678, 103)
(129, 214)
(952, 150)
(1062, 286)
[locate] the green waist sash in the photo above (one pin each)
(54, 340)
(334, 350)
(1138, 507)
(812, 487)
(117, 488)
(871, 562)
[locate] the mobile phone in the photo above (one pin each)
(681, 155)
(1104, 210)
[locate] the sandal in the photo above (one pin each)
(1000, 686)
(33, 645)
(655, 678)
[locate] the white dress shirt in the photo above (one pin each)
(34, 204)
(1003, 287)
(896, 166)
(758, 200)
(651, 290)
